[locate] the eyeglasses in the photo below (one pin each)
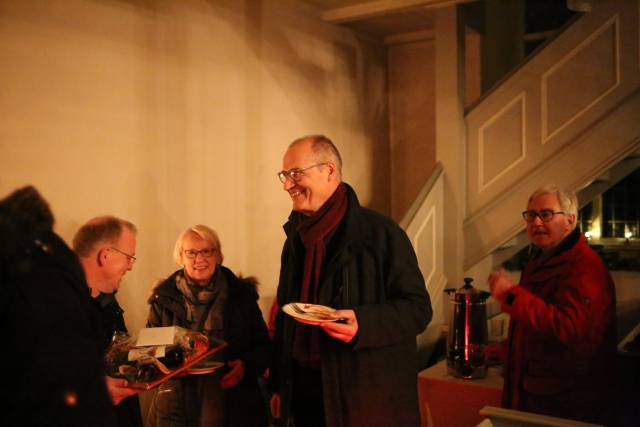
(193, 253)
(545, 215)
(296, 173)
(130, 257)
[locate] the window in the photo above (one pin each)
(616, 213)
(621, 208)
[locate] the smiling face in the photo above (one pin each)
(315, 185)
(547, 235)
(117, 263)
(200, 269)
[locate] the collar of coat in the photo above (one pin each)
(565, 245)
(563, 252)
(341, 247)
(107, 299)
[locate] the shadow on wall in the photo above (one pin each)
(336, 75)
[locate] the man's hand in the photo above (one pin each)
(235, 375)
(118, 389)
(499, 283)
(342, 331)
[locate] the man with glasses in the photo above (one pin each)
(360, 370)
(560, 352)
(106, 247)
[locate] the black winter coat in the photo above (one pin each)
(370, 267)
(245, 333)
(112, 319)
(49, 327)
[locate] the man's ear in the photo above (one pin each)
(102, 256)
(332, 169)
(571, 218)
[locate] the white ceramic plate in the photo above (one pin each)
(311, 314)
(204, 368)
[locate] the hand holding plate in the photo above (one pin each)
(345, 330)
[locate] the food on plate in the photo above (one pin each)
(150, 363)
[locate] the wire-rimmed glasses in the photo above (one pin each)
(295, 174)
(129, 257)
(193, 253)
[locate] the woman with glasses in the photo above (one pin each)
(207, 297)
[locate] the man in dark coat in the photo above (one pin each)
(106, 247)
(361, 370)
(49, 325)
(562, 338)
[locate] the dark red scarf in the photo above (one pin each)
(314, 231)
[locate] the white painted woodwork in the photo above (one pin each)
(568, 114)
(425, 228)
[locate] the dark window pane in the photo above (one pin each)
(621, 207)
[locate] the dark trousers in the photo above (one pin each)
(308, 405)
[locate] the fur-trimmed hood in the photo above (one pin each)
(237, 284)
(24, 215)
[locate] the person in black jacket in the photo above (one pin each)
(49, 325)
(207, 297)
(106, 246)
(362, 370)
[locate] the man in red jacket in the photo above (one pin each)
(560, 356)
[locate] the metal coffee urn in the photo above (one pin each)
(467, 331)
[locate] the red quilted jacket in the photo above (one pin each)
(562, 339)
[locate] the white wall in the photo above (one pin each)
(171, 113)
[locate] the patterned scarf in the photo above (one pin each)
(314, 232)
(204, 304)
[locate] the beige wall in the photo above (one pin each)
(450, 137)
(171, 113)
(411, 121)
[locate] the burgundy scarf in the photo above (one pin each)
(314, 231)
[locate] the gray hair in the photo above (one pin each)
(100, 230)
(323, 150)
(205, 233)
(566, 198)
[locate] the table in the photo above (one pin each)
(446, 401)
